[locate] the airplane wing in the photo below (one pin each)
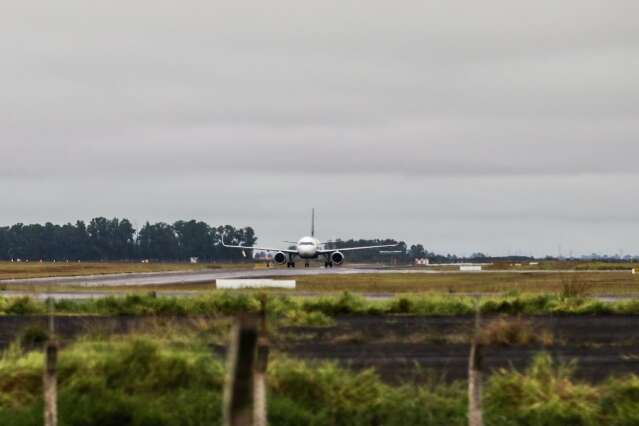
(258, 248)
(356, 248)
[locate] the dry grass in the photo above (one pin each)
(15, 270)
(596, 283)
(514, 332)
(575, 286)
(564, 265)
(566, 284)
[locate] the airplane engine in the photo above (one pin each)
(337, 258)
(280, 258)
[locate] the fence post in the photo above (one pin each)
(49, 378)
(475, 365)
(259, 384)
(238, 392)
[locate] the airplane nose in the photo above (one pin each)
(306, 251)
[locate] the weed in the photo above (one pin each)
(574, 286)
(513, 332)
(33, 336)
(545, 394)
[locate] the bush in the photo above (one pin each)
(33, 336)
(574, 286)
(543, 395)
(513, 332)
(620, 403)
(346, 304)
(24, 306)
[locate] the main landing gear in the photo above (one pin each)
(307, 265)
(328, 264)
(290, 265)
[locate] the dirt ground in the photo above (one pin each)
(412, 348)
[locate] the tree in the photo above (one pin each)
(115, 239)
(194, 240)
(417, 252)
(158, 242)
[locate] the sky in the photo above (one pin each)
(497, 126)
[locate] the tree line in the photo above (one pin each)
(117, 239)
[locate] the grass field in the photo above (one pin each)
(15, 270)
(587, 278)
(174, 379)
(565, 265)
(586, 283)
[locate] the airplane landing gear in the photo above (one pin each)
(290, 265)
(307, 265)
(328, 264)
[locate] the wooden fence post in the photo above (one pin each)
(259, 384)
(238, 392)
(475, 365)
(49, 378)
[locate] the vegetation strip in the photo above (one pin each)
(319, 309)
(176, 380)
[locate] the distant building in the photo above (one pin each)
(422, 262)
(195, 259)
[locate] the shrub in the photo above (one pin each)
(544, 394)
(621, 401)
(33, 336)
(513, 332)
(574, 286)
(24, 306)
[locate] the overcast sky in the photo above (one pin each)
(497, 126)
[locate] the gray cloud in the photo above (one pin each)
(443, 122)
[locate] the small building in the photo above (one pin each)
(422, 262)
(195, 259)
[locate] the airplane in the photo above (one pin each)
(308, 248)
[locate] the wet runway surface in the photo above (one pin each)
(188, 277)
(195, 277)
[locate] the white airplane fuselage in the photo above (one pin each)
(307, 247)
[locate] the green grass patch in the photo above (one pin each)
(221, 304)
(146, 380)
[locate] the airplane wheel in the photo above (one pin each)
(293, 264)
(307, 265)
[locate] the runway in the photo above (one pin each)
(195, 277)
(204, 276)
